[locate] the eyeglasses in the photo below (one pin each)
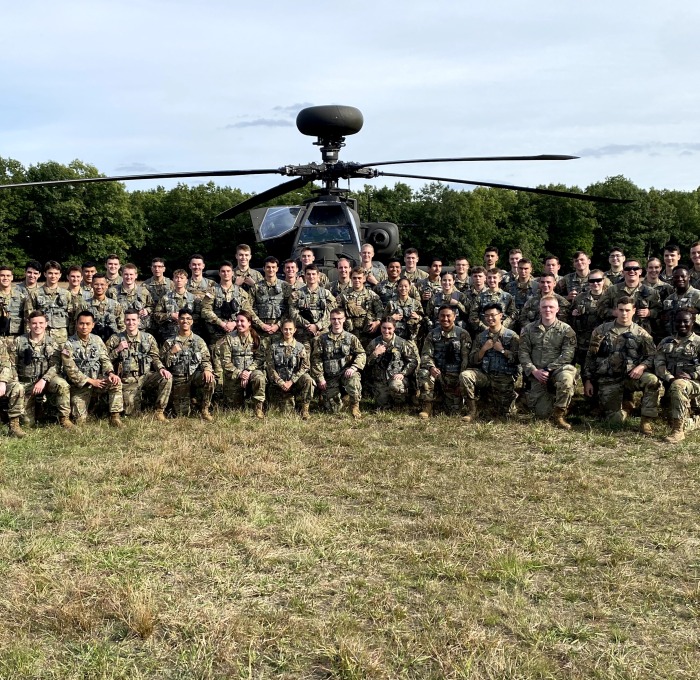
(595, 280)
(632, 269)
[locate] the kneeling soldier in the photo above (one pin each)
(134, 354)
(336, 361)
(37, 359)
(88, 369)
(14, 392)
(288, 366)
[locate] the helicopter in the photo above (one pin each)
(328, 223)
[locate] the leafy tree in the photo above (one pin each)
(13, 205)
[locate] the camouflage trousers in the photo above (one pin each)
(182, 392)
(500, 386)
(611, 394)
(301, 392)
(58, 388)
(680, 394)
(80, 398)
(235, 393)
(557, 393)
(330, 398)
(450, 384)
(386, 392)
(14, 394)
(134, 387)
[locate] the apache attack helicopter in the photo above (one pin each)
(329, 223)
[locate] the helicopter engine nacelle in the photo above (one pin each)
(383, 236)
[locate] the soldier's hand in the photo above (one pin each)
(322, 385)
(398, 376)
(372, 280)
(588, 388)
(245, 377)
(174, 316)
(313, 329)
(683, 375)
(114, 379)
(373, 326)
(541, 375)
(239, 280)
(143, 312)
(572, 295)
(122, 346)
(414, 315)
(379, 350)
(398, 316)
(575, 312)
(643, 313)
(435, 372)
(97, 382)
(3, 389)
(287, 385)
(175, 348)
(498, 346)
(209, 377)
(39, 386)
(166, 373)
(487, 345)
(637, 372)
(248, 280)
(349, 372)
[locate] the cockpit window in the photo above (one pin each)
(278, 221)
(324, 234)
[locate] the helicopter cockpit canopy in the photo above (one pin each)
(274, 222)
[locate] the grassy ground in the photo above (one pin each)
(389, 548)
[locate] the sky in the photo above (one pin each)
(155, 86)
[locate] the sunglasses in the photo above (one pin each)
(632, 269)
(595, 280)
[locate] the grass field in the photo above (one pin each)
(388, 548)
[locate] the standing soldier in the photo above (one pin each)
(584, 313)
(430, 285)
(134, 354)
(336, 361)
(291, 274)
(55, 302)
(462, 283)
(308, 259)
(32, 274)
(615, 273)
(37, 360)
(159, 284)
(78, 295)
(695, 259)
(672, 258)
(287, 364)
(531, 309)
(310, 308)
(374, 271)
(362, 307)
(621, 359)
(677, 364)
(411, 271)
(89, 269)
(653, 281)
(12, 300)
(445, 355)
(493, 364)
(491, 260)
(198, 285)
(112, 266)
(492, 293)
(575, 283)
(269, 299)
(187, 358)
(448, 295)
(386, 289)
(405, 310)
(244, 276)
(684, 296)
(391, 361)
(546, 353)
(107, 313)
(165, 315)
(342, 282)
(514, 257)
(89, 371)
(132, 296)
(12, 389)
(523, 286)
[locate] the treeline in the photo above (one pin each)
(88, 221)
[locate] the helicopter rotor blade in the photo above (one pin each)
(540, 157)
(263, 197)
(513, 187)
(157, 175)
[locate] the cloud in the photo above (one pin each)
(135, 168)
(293, 109)
(260, 122)
(651, 148)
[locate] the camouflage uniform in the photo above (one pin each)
(311, 307)
(551, 349)
(361, 309)
(463, 286)
(14, 391)
(496, 371)
(460, 307)
(615, 277)
(585, 322)
(448, 351)
(645, 297)
(109, 317)
(157, 290)
(573, 281)
(286, 362)
(36, 361)
(613, 352)
(199, 288)
(662, 288)
(406, 327)
(219, 305)
(116, 281)
(426, 285)
(332, 355)
(690, 299)
(530, 312)
(170, 304)
(400, 358)
(387, 291)
(336, 287)
(12, 311)
(83, 360)
(270, 303)
(414, 277)
(675, 355)
(137, 298)
(485, 297)
(139, 369)
(377, 270)
(694, 278)
(252, 273)
(188, 366)
(521, 292)
(57, 305)
(237, 354)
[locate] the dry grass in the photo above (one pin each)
(392, 548)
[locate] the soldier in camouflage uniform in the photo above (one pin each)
(615, 274)
(546, 355)
(448, 295)
(431, 285)
(530, 312)
(677, 364)
(55, 302)
(492, 293)
(107, 313)
(493, 364)
(32, 274)
(291, 275)
(573, 284)
(165, 315)
(672, 258)
(362, 307)
(342, 282)
(405, 310)
(134, 355)
(683, 297)
(307, 259)
(198, 285)
(621, 358)
(523, 287)
(336, 361)
(158, 284)
(187, 358)
(652, 279)
(310, 308)
(112, 267)
(13, 390)
(287, 364)
(242, 359)
(374, 271)
(129, 295)
(89, 371)
(695, 259)
(12, 300)
(37, 361)
(269, 299)
(584, 313)
(243, 275)
(462, 282)
(391, 361)
(445, 355)
(411, 271)
(386, 289)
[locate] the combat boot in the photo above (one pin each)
(558, 419)
(677, 432)
(645, 426)
(305, 412)
(115, 420)
(15, 429)
(426, 411)
(206, 416)
(259, 412)
(159, 415)
(65, 423)
(355, 411)
(471, 411)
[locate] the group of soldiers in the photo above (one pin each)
(486, 336)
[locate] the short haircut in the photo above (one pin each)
(35, 314)
(672, 248)
(478, 270)
(491, 249)
(180, 272)
(493, 305)
(286, 262)
(436, 259)
(226, 263)
(183, 311)
(549, 296)
(33, 264)
(271, 259)
(449, 308)
(196, 256)
(85, 312)
(679, 267)
(131, 310)
(695, 245)
(131, 266)
(99, 275)
(157, 260)
(243, 248)
(459, 258)
(631, 259)
(525, 260)
(358, 270)
(6, 267)
(410, 251)
(340, 259)
(547, 276)
(393, 260)
(547, 258)
(578, 254)
(494, 271)
(111, 256)
(52, 264)
(74, 268)
(626, 300)
(337, 310)
(515, 251)
(615, 249)
(89, 265)
(597, 271)
(311, 267)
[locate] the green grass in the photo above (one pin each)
(389, 548)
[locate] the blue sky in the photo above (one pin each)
(172, 86)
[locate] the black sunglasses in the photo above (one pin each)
(632, 269)
(595, 280)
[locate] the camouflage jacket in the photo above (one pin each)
(644, 297)
(457, 301)
(387, 291)
(190, 355)
(270, 302)
(615, 350)
(361, 307)
(140, 358)
(57, 305)
(487, 296)
(414, 277)
(199, 288)
(494, 362)
(336, 288)
(238, 354)
(83, 360)
(586, 318)
(448, 351)
(137, 298)
(546, 348)
(7, 374)
(12, 310)
(332, 354)
(312, 307)
(400, 357)
(530, 313)
(689, 299)
(221, 304)
(521, 292)
(284, 362)
(678, 355)
(406, 327)
(36, 360)
(170, 304)
(109, 316)
(157, 290)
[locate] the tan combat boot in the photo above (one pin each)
(15, 429)
(305, 412)
(558, 419)
(65, 423)
(471, 411)
(677, 432)
(355, 411)
(426, 411)
(159, 415)
(645, 426)
(259, 411)
(115, 420)
(206, 416)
